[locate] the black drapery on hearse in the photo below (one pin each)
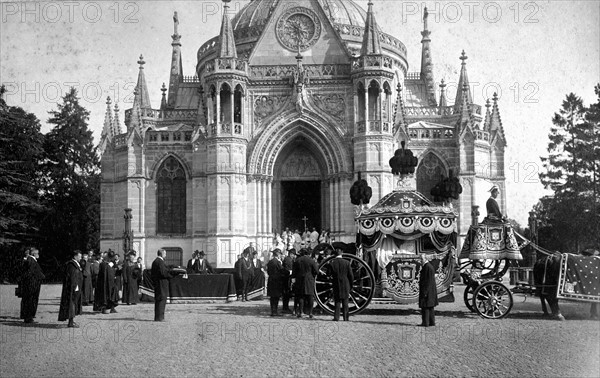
(396, 231)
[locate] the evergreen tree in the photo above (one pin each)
(570, 216)
(20, 157)
(72, 180)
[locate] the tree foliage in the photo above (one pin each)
(71, 183)
(570, 219)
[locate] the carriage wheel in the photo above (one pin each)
(468, 297)
(492, 300)
(363, 287)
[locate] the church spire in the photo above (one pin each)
(370, 45)
(107, 129)
(464, 109)
(135, 122)
(142, 98)
(463, 83)
(226, 46)
(116, 122)
(176, 76)
(427, 62)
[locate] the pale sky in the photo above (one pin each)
(532, 53)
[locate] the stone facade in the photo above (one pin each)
(283, 97)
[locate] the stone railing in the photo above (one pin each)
(373, 62)
(226, 128)
(375, 126)
(413, 76)
(191, 79)
(226, 64)
(168, 136)
(482, 135)
(170, 114)
(416, 111)
(358, 32)
(312, 70)
(440, 133)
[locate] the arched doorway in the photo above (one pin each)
(298, 191)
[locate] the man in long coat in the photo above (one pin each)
(160, 276)
(131, 273)
(427, 292)
(95, 269)
(245, 271)
(341, 273)
(86, 291)
(288, 265)
(30, 283)
(106, 296)
(304, 271)
(276, 281)
(70, 298)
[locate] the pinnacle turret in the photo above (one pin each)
(142, 98)
(443, 102)
(226, 46)
(463, 84)
(107, 129)
(176, 76)
(116, 122)
(371, 45)
(427, 62)
(486, 121)
(163, 101)
(495, 121)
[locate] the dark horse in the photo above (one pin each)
(545, 276)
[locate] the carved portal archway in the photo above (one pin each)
(298, 186)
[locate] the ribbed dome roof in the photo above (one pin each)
(339, 11)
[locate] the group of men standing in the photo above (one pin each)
(97, 281)
(294, 240)
(248, 268)
(289, 274)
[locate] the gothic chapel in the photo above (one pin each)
(287, 105)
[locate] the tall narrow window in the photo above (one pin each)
(225, 104)
(360, 91)
(237, 109)
(374, 106)
(171, 198)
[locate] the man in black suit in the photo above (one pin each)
(276, 281)
(30, 284)
(86, 292)
(288, 265)
(427, 292)
(492, 208)
(160, 276)
(304, 271)
(198, 264)
(70, 298)
(245, 271)
(106, 294)
(341, 273)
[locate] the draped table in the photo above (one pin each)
(194, 287)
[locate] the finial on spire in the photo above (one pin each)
(141, 62)
(463, 57)
(108, 102)
(175, 23)
(495, 97)
(425, 15)
(487, 104)
(443, 103)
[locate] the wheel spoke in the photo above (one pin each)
(325, 283)
(359, 295)
(324, 291)
(354, 301)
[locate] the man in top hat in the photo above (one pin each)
(276, 281)
(287, 264)
(198, 264)
(493, 210)
(160, 276)
(342, 279)
(245, 271)
(86, 292)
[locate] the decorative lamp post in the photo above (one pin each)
(128, 233)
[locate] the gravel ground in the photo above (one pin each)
(239, 339)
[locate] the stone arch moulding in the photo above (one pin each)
(440, 155)
(165, 156)
(263, 154)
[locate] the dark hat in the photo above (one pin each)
(201, 253)
(111, 254)
(291, 251)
